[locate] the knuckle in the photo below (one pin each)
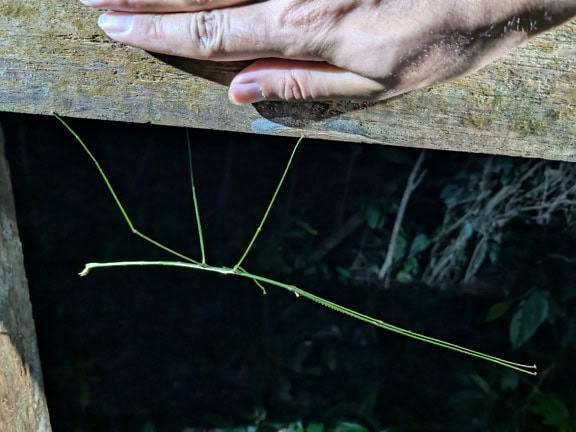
(125, 4)
(306, 14)
(310, 27)
(207, 31)
(156, 29)
(291, 88)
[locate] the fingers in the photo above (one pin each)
(237, 33)
(289, 80)
(202, 35)
(161, 6)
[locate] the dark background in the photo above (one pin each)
(136, 349)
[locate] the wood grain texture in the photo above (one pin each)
(53, 58)
(22, 402)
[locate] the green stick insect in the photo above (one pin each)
(261, 281)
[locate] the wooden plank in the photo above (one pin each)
(22, 402)
(53, 58)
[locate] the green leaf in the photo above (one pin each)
(373, 216)
(419, 244)
(467, 230)
(306, 227)
(344, 272)
(404, 277)
(498, 310)
(553, 410)
(528, 317)
(437, 233)
(410, 265)
(296, 427)
(400, 247)
(481, 383)
(349, 427)
(409, 269)
(315, 427)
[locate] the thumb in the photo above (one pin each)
(292, 80)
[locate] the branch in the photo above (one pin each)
(413, 181)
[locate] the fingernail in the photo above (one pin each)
(88, 2)
(114, 23)
(246, 93)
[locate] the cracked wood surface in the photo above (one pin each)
(53, 58)
(22, 402)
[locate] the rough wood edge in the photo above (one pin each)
(23, 406)
(520, 105)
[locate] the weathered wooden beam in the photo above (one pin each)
(53, 58)
(22, 402)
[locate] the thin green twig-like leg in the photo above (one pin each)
(195, 199)
(117, 200)
(270, 204)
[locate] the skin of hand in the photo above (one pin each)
(333, 49)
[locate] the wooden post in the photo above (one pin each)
(54, 58)
(22, 402)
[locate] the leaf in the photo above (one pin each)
(481, 383)
(306, 227)
(373, 216)
(451, 195)
(553, 410)
(410, 265)
(296, 427)
(493, 252)
(528, 317)
(409, 269)
(467, 230)
(315, 427)
(350, 427)
(400, 246)
(404, 277)
(419, 244)
(497, 310)
(344, 273)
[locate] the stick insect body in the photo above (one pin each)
(261, 281)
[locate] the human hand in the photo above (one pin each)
(333, 49)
